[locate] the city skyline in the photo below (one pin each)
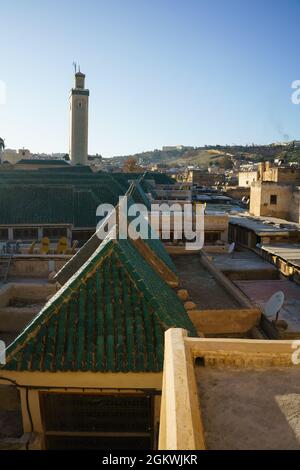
(190, 73)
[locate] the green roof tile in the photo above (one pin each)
(110, 316)
(66, 195)
(158, 253)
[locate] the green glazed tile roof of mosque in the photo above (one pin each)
(155, 244)
(70, 195)
(22, 204)
(37, 161)
(138, 195)
(153, 241)
(110, 316)
(53, 204)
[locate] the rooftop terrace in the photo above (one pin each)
(264, 225)
(260, 292)
(238, 394)
(203, 288)
(250, 409)
(244, 265)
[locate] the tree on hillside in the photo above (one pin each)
(131, 166)
(226, 163)
(2, 144)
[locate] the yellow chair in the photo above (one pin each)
(31, 248)
(45, 246)
(62, 246)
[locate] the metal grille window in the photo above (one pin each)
(212, 237)
(96, 418)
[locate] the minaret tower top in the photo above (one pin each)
(79, 81)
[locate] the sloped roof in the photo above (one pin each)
(38, 204)
(67, 195)
(137, 194)
(110, 316)
(152, 249)
(53, 198)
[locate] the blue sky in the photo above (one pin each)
(160, 72)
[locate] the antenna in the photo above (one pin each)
(75, 67)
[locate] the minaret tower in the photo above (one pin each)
(79, 117)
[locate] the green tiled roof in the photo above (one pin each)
(157, 252)
(65, 195)
(35, 161)
(111, 316)
(138, 195)
(153, 241)
(39, 204)
(51, 197)
(75, 263)
(159, 178)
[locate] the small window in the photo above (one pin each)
(4, 234)
(25, 233)
(273, 199)
(212, 237)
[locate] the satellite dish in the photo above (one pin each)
(274, 305)
(231, 248)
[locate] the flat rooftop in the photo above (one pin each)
(244, 409)
(228, 208)
(203, 288)
(242, 261)
(259, 292)
(288, 252)
(263, 225)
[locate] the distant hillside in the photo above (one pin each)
(206, 156)
(199, 156)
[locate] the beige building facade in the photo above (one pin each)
(267, 173)
(246, 178)
(271, 200)
(14, 156)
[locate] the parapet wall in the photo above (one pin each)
(36, 266)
